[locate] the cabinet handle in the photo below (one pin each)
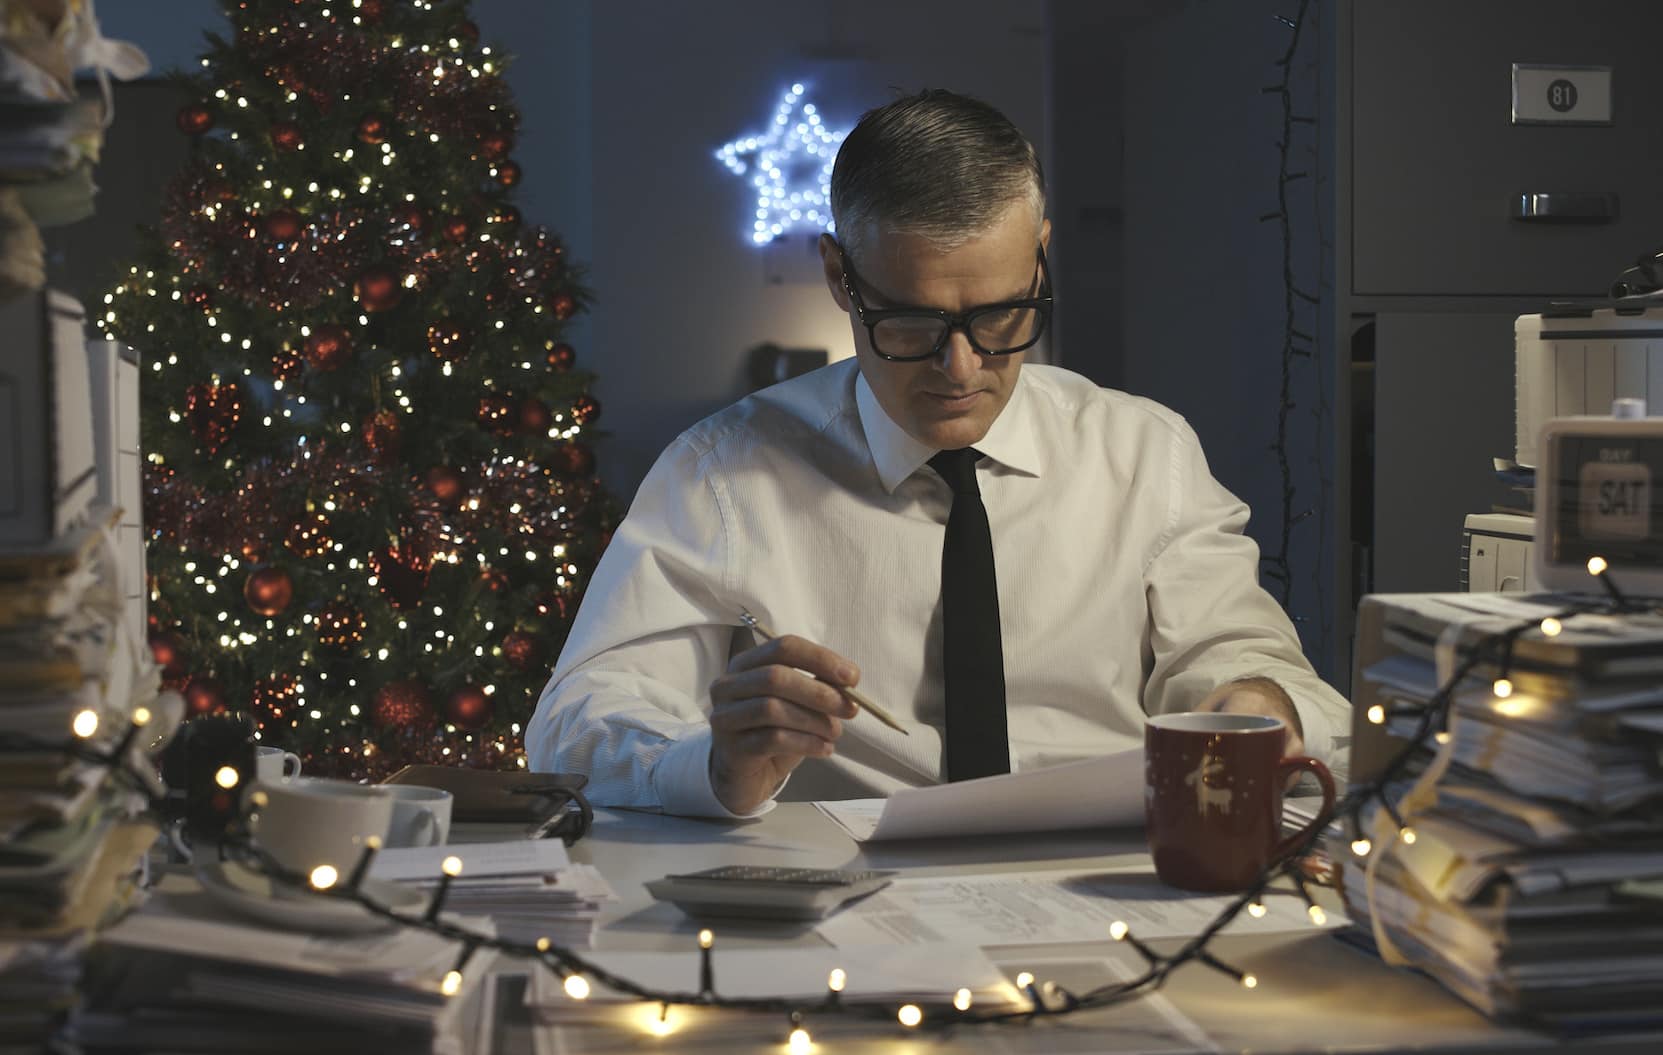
(1566, 207)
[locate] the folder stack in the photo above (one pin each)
(183, 974)
(1527, 880)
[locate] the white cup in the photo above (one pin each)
(421, 815)
(305, 822)
(272, 765)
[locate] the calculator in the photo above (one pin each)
(753, 892)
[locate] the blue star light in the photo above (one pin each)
(790, 166)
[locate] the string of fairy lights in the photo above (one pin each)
(1042, 998)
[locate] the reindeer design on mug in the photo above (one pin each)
(1209, 768)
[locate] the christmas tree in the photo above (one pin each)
(370, 500)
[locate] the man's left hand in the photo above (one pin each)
(1258, 696)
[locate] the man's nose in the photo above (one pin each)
(959, 359)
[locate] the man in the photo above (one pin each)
(1118, 583)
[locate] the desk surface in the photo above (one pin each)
(1315, 993)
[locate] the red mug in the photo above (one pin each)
(1212, 796)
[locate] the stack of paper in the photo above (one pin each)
(180, 975)
(529, 887)
(70, 849)
(1530, 821)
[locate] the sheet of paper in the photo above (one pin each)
(514, 857)
(1025, 908)
(1102, 792)
(789, 972)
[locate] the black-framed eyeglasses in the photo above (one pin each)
(908, 335)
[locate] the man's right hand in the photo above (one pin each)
(767, 715)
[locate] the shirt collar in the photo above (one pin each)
(1012, 439)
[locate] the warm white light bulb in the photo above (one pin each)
(452, 983)
(837, 980)
(1318, 916)
(1377, 715)
(227, 777)
(706, 939)
(324, 876)
(1024, 980)
(909, 1015)
(85, 724)
(1256, 909)
(1551, 627)
(1597, 565)
(141, 716)
(1407, 835)
(800, 1043)
(577, 987)
(1503, 688)
(962, 999)
(1361, 847)
(451, 866)
(1118, 930)
(1250, 981)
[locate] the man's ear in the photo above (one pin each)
(1045, 235)
(831, 263)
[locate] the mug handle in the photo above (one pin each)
(430, 836)
(1326, 779)
(291, 757)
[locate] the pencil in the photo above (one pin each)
(859, 699)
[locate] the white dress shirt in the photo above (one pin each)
(1126, 588)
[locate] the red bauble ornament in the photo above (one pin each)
(534, 416)
(401, 575)
(573, 459)
(285, 364)
(377, 289)
(205, 695)
(496, 413)
(520, 650)
(446, 484)
(508, 173)
(468, 708)
(329, 346)
(564, 306)
(561, 356)
(309, 537)
(286, 135)
(283, 225)
(446, 340)
(374, 129)
(195, 119)
(585, 408)
(403, 705)
(212, 412)
(169, 653)
(200, 296)
(495, 146)
(411, 216)
(268, 591)
(340, 626)
(457, 228)
(372, 10)
(382, 434)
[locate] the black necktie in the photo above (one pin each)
(972, 652)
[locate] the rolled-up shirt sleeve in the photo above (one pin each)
(628, 703)
(1210, 621)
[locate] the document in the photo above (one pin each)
(514, 857)
(1026, 908)
(1102, 792)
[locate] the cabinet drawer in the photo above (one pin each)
(1438, 166)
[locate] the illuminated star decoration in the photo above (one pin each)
(790, 166)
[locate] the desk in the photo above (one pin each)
(1315, 993)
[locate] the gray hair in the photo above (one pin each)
(936, 164)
